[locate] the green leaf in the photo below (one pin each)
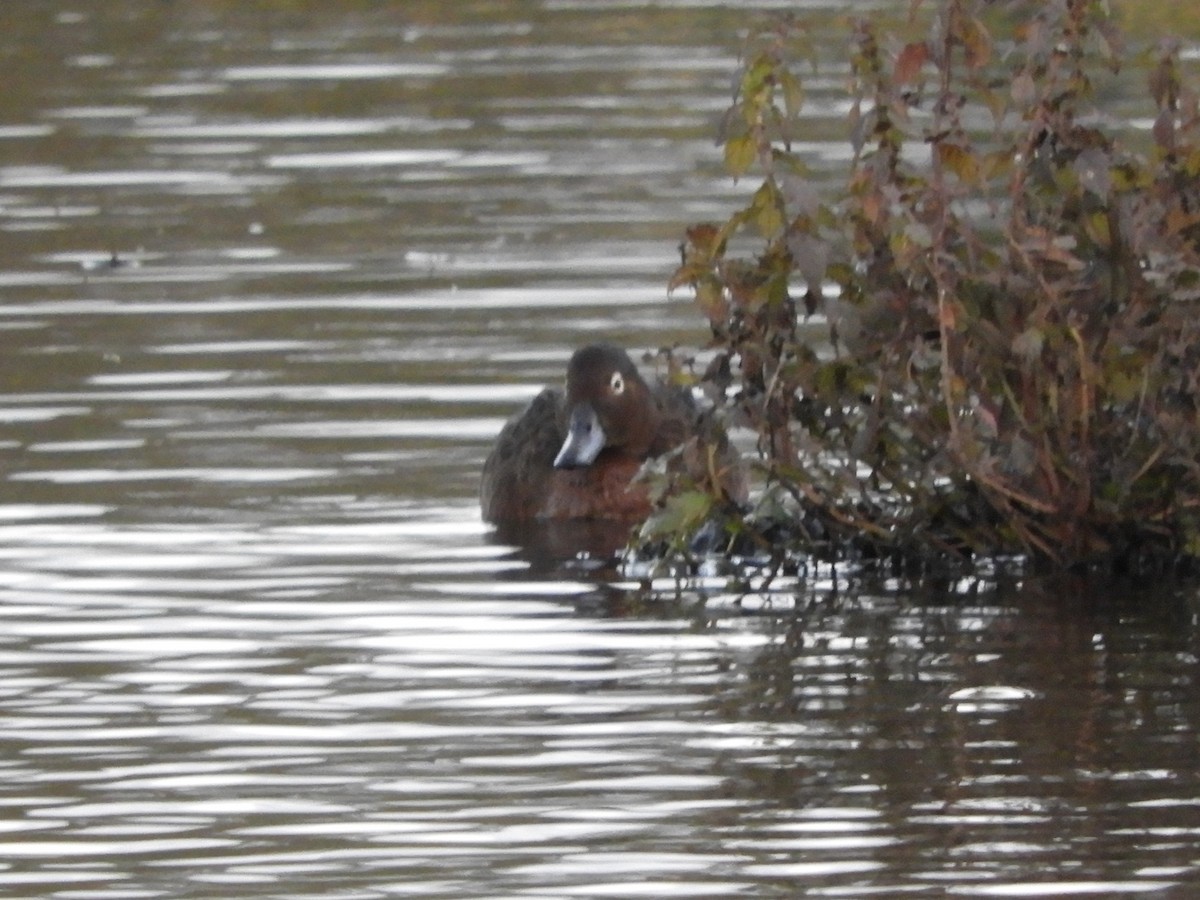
(758, 73)
(740, 153)
(1125, 386)
(682, 513)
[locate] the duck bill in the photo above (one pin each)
(585, 439)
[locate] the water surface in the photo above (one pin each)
(271, 277)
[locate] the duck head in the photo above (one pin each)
(607, 405)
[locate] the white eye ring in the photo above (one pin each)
(617, 384)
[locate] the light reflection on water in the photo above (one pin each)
(262, 703)
(254, 639)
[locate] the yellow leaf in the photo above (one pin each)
(1097, 228)
(1191, 163)
(710, 297)
(1178, 220)
(766, 212)
(976, 41)
(757, 75)
(793, 93)
(959, 161)
(998, 164)
(740, 153)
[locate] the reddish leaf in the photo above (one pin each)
(948, 315)
(910, 62)
(703, 239)
(1163, 80)
(1164, 130)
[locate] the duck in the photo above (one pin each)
(574, 453)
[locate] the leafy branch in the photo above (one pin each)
(987, 339)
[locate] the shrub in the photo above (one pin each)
(987, 340)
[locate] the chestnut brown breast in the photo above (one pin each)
(572, 454)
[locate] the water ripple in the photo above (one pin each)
(274, 280)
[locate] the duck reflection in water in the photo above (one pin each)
(570, 458)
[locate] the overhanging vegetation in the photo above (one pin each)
(987, 340)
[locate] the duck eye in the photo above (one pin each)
(617, 384)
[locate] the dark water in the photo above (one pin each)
(271, 276)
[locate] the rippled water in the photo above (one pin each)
(271, 277)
